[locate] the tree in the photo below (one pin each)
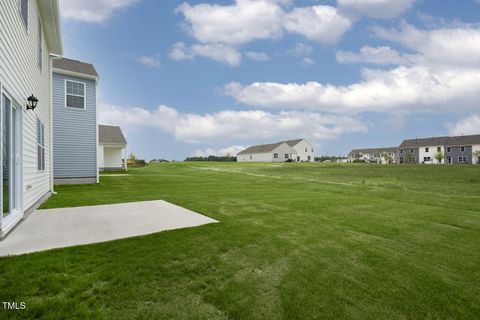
(132, 157)
(439, 156)
(409, 158)
(476, 154)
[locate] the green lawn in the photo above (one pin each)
(296, 241)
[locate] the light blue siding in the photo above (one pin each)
(74, 132)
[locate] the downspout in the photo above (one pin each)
(52, 57)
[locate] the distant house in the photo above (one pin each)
(453, 150)
(74, 97)
(289, 150)
(112, 148)
(374, 155)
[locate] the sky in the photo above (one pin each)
(193, 78)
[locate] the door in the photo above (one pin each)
(449, 159)
(10, 155)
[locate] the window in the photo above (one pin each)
(306, 149)
(462, 149)
(439, 149)
(448, 149)
(250, 157)
(75, 94)
(411, 150)
(426, 159)
(24, 12)
(312, 149)
(286, 155)
(275, 155)
(40, 51)
(309, 158)
(462, 159)
(401, 150)
(426, 149)
(401, 159)
(40, 146)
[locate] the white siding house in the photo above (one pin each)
(289, 150)
(274, 152)
(112, 148)
(29, 35)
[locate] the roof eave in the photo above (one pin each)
(49, 11)
(75, 74)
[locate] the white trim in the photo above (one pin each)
(96, 131)
(76, 95)
(75, 74)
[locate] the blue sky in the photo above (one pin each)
(212, 77)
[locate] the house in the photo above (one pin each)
(30, 39)
(436, 150)
(288, 150)
(112, 148)
(274, 152)
(303, 148)
(463, 150)
(74, 100)
(374, 155)
(422, 150)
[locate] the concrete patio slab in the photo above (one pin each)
(64, 227)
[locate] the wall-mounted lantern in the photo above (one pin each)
(32, 102)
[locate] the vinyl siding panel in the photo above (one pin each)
(74, 131)
(20, 76)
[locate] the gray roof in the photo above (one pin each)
(374, 150)
(110, 135)
(463, 140)
(423, 142)
(265, 148)
(75, 66)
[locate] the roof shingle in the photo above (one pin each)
(110, 135)
(75, 66)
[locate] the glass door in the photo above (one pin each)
(10, 158)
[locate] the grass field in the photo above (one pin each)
(296, 241)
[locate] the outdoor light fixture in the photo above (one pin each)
(32, 102)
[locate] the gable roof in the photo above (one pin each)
(111, 135)
(293, 143)
(463, 140)
(75, 66)
(374, 150)
(263, 148)
(424, 142)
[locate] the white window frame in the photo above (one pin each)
(275, 156)
(76, 95)
(40, 44)
(41, 152)
(449, 149)
(25, 23)
(286, 155)
(462, 149)
(427, 150)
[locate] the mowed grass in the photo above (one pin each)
(295, 241)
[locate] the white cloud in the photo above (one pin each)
(383, 55)
(300, 50)
(465, 126)
(400, 89)
(152, 61)
(308, 61)
(92, 11)
(228, 126)
(239, 23)
(445, 46)
(318, 23)
(217, 52)
(257, 56)
(227, 151)
(379, 9)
